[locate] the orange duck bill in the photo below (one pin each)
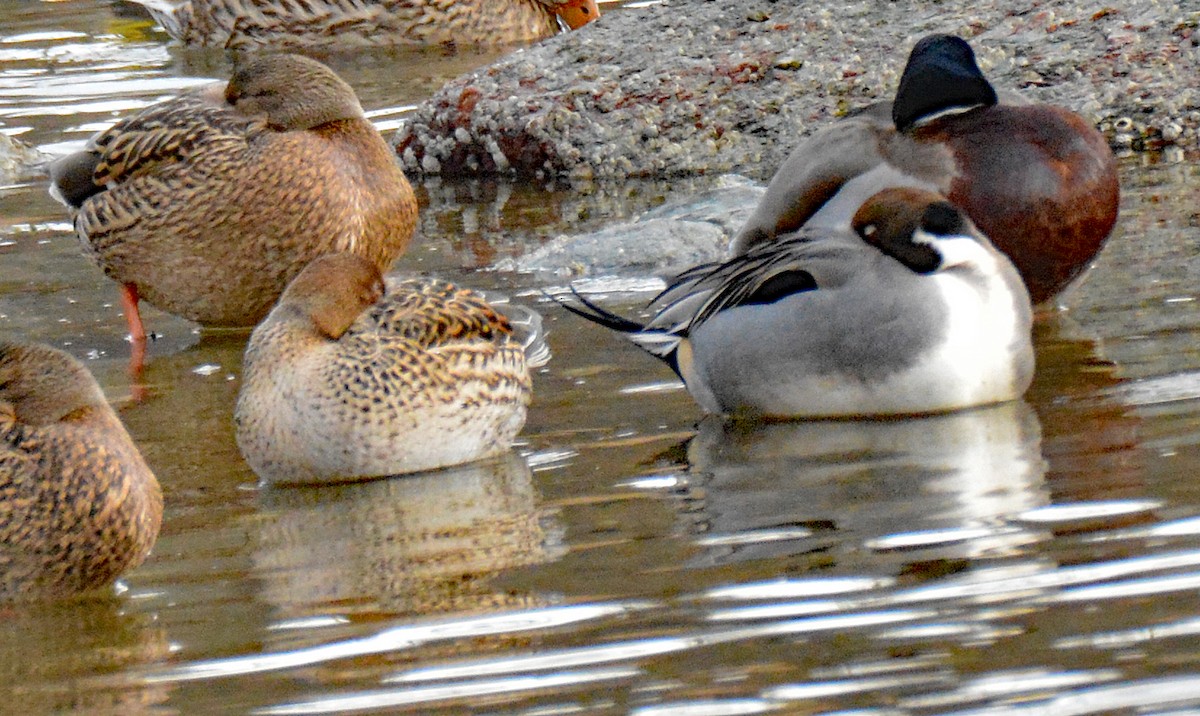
(577, 13)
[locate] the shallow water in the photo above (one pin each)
(1041, 557)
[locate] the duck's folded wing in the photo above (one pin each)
(433, 312)
(166, 133)
(18, 481)
(138, 165)
(769, 272)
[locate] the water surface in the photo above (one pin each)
(1041, 557)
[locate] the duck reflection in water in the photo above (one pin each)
(419, 544)
(754, 489)
(886, 483)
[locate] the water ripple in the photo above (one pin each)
(1103, 699)
(1012, 683)
(1131, 588)
(1130, 637)
(642, 648)
(390, 698)
(721, 707)
(791, 588)
(1039, 582)
(1074, 512)
(405, 637)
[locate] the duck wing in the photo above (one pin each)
(167, 133)
(18, 475)
(797, 263)
(139, 162)
(433, 312)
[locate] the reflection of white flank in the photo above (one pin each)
(955, 479)
(1162, 389)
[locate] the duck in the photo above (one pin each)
(78, 505)
(352, 377)
(208, 204)
(249, 24)
(910, 312)
(1037, 179)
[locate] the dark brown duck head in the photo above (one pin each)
(332, 291)
(1037, 179)
(897, 221)
(292, 92)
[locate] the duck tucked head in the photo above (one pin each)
(332, 291)
(292, 92)
(941, 75)
(906, 223)
(41, 385)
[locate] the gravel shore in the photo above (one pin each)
(694, 87)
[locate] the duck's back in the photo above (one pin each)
(1039, 181)
(78, 505)
(282, 23)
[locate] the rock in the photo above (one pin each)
(691, 88)
(663, 241)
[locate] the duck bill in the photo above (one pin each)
(577, 13)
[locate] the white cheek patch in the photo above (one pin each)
(957, 251)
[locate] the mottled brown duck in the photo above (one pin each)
(78, 505)
(246, 24)
(351, 378)
(208, 204)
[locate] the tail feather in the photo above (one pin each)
(658, 343)
(599, 315)
(528, 328)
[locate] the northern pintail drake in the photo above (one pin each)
(246, 24)
(208, 204)
(349, 378)
(1037, 179)
(78, 505)
(911, 312)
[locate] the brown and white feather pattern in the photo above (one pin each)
(429, 376)
(211, 213)
(240, 24)
(439, 342)
(78, 505)
(171, 148)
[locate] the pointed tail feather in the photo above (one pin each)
(599, 315)
(660, 344)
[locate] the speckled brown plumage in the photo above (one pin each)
(78, 505)
(342, 381)
(241, 24)
(209, 207)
